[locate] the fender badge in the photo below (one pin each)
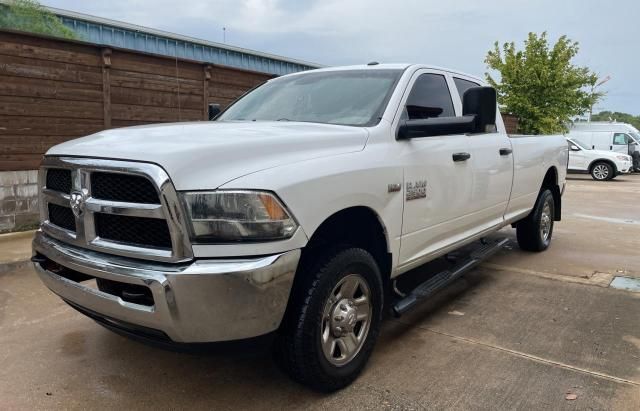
(416, 190)
(394, 188)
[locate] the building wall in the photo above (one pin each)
(510, 123)
(54, 90)
(18, 200)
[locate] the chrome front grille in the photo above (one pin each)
(123, 208)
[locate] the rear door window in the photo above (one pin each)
(430, 97)
(464, 85)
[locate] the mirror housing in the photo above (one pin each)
(481, 102)
(479, 110)
(436, 126)
(214, 110)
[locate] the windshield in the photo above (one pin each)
(349, 97)
(636, 136)
(579, 144)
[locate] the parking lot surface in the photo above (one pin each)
(523, 331)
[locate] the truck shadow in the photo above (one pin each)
(243, 376)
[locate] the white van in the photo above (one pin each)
(602, 165)
(607, 136)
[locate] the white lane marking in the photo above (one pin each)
(608, 219)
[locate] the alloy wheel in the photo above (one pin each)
(346, 319)
(601, 172)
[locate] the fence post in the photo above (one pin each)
(106, 86)
(205, 91)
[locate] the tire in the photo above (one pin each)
(312, 319)
(602, 171)
(636, 161)
(535, 231)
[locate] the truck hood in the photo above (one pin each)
(205, 155)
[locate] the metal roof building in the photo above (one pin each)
(129, 36)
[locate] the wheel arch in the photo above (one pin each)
(550, 181)
(357, 226)
(603, 160)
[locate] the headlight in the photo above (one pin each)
(624, 158)
(228, 216)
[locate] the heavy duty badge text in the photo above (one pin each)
(416, 190)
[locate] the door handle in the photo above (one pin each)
(461, 156)
(505, 151)
(610, 147)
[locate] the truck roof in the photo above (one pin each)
(393, 66)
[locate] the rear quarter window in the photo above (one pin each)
(463, 85)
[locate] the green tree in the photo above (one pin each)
(541, 86)
(29, 15)
(617, 116)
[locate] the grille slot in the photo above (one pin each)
(145, 232)
(59, 179)
(123, 187)
(62, 217)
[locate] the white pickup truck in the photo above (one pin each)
(294, 213)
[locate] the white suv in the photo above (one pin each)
(602, 165)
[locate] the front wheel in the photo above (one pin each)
(602, 171)
(333, 320)
(534, 232)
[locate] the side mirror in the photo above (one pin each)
(574, 147)
(481, 102)
(478, 116)
(436, 126)
(214, 110)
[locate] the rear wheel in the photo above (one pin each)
(535, 231)
(602, 171)
(333, 320)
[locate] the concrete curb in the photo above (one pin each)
(13, 266)
(19, 261)
(16, 235)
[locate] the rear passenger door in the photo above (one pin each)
(437, 189)
(492, 161)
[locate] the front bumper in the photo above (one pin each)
(200, 301)
(624, 167)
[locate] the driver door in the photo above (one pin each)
(621, 143)
(437, 184)
(577, 158)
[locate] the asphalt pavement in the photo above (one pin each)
(523, 331)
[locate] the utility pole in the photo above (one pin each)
(593, 88)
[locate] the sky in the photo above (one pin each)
(456, 34)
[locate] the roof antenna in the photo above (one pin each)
(224, 35)
(178, 85)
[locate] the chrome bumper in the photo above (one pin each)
(200, 301)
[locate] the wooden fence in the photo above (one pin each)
(53, 90)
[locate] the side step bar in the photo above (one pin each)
(444, 278)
